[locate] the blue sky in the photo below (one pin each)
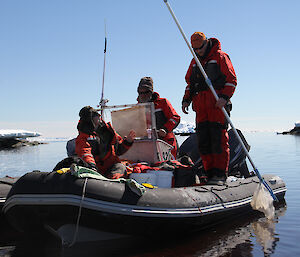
(51, 57)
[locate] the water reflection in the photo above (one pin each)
(242, 236)
(264, 231)
(238, 240)
(297, 141)
(234, 238)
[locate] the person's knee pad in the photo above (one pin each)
(203, 138)
(216, 130)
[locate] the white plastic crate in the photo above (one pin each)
(150, 151)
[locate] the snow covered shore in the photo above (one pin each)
(16, 133)
(12, 138)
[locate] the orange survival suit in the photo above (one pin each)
(166, 118)
(211, 124)
(100, 147)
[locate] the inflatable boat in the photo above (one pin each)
(7, 232)
(55, 200)
(59, 200)
(5, 185)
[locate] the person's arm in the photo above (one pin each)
(185, 105)
(187, 97)
(173, 119)
(126, 143)
(231, 81)
(131, 136)
(84, 151)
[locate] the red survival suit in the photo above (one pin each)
(211, 124)
(166, 118)
(101, 149)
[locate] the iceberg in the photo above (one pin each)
(15, 133)
(184, 127)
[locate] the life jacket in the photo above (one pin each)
(166, 118)
(218, 68)
(165, 115)
(212, 70)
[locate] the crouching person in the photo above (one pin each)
(99, 145)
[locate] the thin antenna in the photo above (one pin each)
(103, 101)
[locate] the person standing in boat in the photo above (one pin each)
(166, 117)
(211, 124)
(99, 145)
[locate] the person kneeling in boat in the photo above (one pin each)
(99, 145)
(166, 117)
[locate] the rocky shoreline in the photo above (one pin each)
(12, 143)
(294, 131)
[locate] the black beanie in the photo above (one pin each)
(146, 82)
(86, 124)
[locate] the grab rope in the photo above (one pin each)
(211, 190)
(79, 213)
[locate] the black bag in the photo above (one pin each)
(184, 177)
(67, 162)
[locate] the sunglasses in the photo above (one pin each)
(199, 48)
(144, 92)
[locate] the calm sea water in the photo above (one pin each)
(250, 235)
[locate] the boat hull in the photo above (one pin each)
(40, 198)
